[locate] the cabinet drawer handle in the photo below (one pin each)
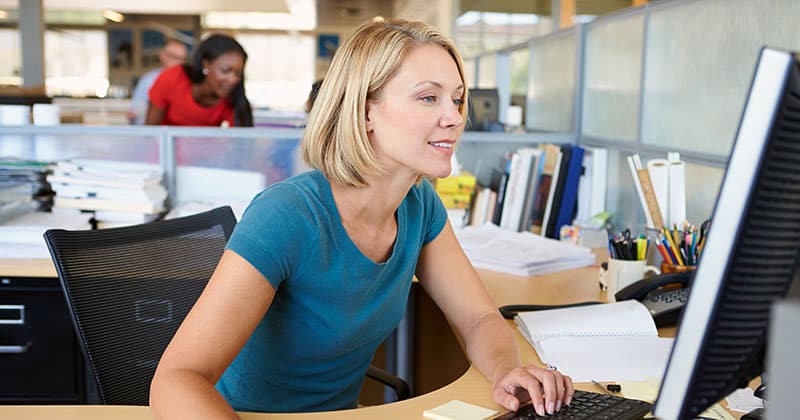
(12, 314)
(15, 349)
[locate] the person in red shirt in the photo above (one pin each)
(209, 91)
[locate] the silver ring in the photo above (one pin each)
(551, 367)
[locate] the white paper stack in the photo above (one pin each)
(520, 253)
(118, 192)
(21, 237)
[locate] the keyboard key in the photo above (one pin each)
(587, 405)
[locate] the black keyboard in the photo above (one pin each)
(588, 405)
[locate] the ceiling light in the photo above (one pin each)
(113, 16)
(3, 14)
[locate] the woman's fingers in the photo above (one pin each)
(548, 389)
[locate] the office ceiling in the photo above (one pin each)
(329, 12)
(350, 12)
(182, 7)
(542, 7)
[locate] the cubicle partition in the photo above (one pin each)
(669, 76)
(211, 165)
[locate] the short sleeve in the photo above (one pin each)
(158, 93)
(435, 212)
(272, 231)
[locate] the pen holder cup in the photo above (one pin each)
(667, 268)
(622, 273)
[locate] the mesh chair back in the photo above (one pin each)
(128, 289)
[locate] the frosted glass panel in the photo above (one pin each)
(469, 72)
(699, 63)
(612, 78)
(277, 159)
(519, 71)
(487, 72)
(551, 83)
(702, 188)
(76, 144)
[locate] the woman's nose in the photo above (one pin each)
(451, 117)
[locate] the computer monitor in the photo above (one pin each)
(752, 251)
(484, 110)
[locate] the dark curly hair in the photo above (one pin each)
(209, 49)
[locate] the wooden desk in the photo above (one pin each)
(472, 386)
(27, 267)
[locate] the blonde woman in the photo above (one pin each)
(317, 272)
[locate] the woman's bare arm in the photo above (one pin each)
(217, 327)
(155, 115)
(454, 285)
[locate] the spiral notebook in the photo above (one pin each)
(628, 317)
(605, 342)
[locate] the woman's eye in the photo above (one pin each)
(458, 101)
(429, 99)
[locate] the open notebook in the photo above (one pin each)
(605, 342)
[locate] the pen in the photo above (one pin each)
(599, 385)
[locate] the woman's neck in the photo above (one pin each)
(374, 204)
(203, 95)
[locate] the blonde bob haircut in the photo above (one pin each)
(335, 138)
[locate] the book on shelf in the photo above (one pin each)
(533, 186)
(519, 186)
(498, 185)
(622, 337)
(592, 185)
(513, 181)
(569, 192)
(552, 172)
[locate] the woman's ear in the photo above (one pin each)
(368, 118)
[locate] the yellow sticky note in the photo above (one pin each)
(641, 390)
(458, 410)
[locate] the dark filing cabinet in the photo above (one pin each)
(40, 358)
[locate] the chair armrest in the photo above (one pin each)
(400, 387)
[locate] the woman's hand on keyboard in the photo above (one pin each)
(548, 389)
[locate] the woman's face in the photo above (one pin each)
(416, 123)
(224, 73)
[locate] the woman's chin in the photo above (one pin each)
(440, 173)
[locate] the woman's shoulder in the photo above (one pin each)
(293, 196)
(174, 74)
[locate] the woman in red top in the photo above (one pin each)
(209, 91)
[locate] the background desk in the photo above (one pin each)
(557, 288)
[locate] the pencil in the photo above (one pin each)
(674, 250)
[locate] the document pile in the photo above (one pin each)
(117, 192)
(520, 253)
(23, 187)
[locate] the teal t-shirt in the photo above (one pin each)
(333, 306)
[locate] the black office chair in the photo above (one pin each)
(129, 288)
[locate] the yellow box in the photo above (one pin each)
(456, 201)
(463, 183)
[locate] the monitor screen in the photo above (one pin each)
(750, 258)
(484, 110)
